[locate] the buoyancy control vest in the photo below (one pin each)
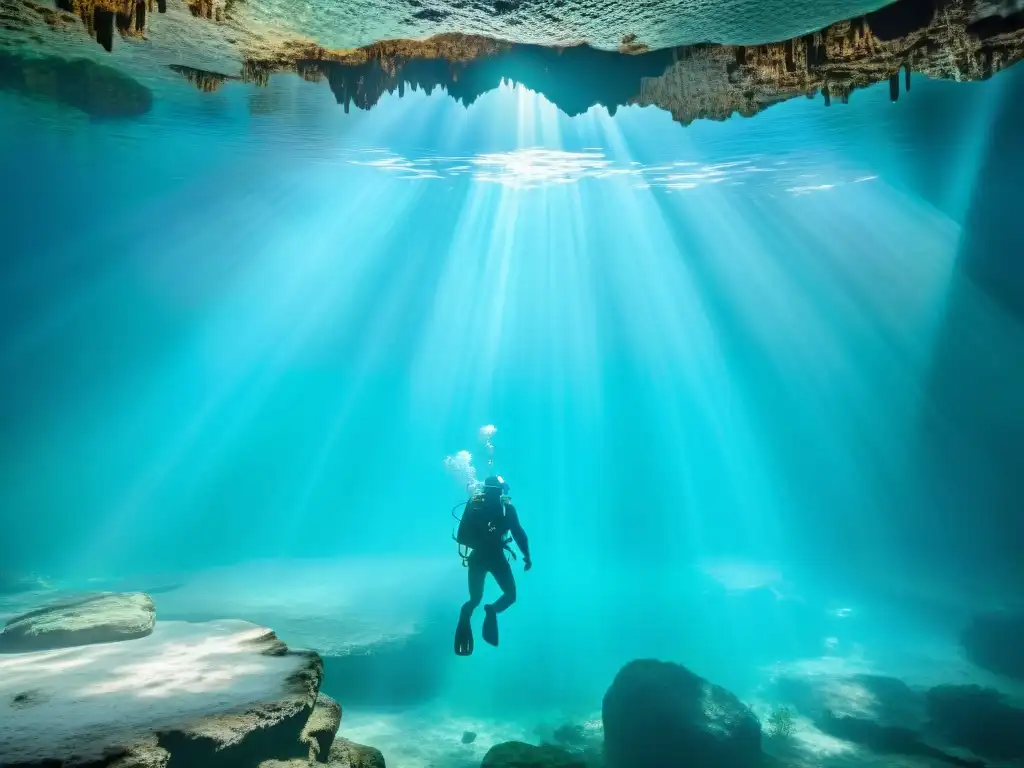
(483, 524)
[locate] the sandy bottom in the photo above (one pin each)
(741, 626)
(429, 737)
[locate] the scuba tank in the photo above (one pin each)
(483, 520)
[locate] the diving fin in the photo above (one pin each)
(464, 637)
(490, 626)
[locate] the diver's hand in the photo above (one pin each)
(527, 564)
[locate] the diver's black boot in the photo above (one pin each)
(464, 635)
(490, 625)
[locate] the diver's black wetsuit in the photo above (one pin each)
(491, 559)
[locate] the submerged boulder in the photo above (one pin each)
(981, 720)
(516, 754)
(322, 727)
(106, 617)
(344, 754)
(661, 715)
(348, 754)
(218, 695)
(992, 641)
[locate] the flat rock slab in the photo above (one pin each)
(224, 688)
(105, 617)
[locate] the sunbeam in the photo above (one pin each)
(752, 385)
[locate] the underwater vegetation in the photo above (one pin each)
(780, 723)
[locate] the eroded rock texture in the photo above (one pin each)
(950, 39)
(223, 693)
(658, 714)
(102, 17)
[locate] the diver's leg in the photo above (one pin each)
(502, 570)
(477, 574)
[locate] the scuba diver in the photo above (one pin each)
(487, 519)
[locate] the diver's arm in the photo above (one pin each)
(518, 534)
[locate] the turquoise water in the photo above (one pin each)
(757, 384)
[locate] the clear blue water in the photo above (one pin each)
(757, 384)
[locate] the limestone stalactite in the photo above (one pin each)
(950, 39)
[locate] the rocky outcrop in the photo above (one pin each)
(102, 17)
(977, 719)
(206, 9)
(661, 715)
(221, 694)
(348, 754)
(516, 754)
(951, 39)
(390, 56)
(993, 641)
(875, 715)
(322, 727)
(343, 754)
(887, 739)
(100, 618)
(939, 39)
(23, 16)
